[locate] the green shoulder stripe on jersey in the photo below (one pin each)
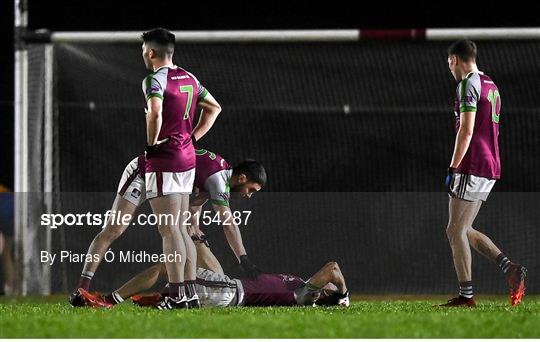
(464, 109)
(228, 185)
(220, 202)
(201, 152)
(203, 94)
(154, 95)
(148, 81)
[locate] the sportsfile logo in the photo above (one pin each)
(118, 218)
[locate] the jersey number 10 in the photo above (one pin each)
(493, 96)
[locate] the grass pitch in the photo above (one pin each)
(39, 317)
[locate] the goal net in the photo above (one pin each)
(355, 137)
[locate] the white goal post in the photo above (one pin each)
(269, 36)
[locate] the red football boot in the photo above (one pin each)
(515, 277)
(147, 300)
(94, 300)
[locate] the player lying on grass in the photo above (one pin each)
(326, 287)
(213, 178)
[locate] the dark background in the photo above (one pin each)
(79, 15)
(395, 234)
(283, 105)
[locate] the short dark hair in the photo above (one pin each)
(253, 170)
(465, 49)
(162, 39)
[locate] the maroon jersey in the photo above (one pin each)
(213, 175)
(180, 92)
(478, 93)
(271, 289)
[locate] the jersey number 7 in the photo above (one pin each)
(189, 90)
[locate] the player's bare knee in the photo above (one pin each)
(159, 269)
(453, 230)
(456, 234)
(332, 265)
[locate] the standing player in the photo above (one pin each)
(172, 96)
(474, 168)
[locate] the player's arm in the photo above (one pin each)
(330, 273)
(234, 238)
(210, 110)
(193, 229)
(232, 232)
(463, 137)
(331, 281)
(153, 120)
(153, 93)
(469, 94)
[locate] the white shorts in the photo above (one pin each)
(217, 289)
(470, 188)
(132, 186)
(135, 188)
(166, 183)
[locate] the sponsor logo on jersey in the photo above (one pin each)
(179, 77)
(135, 193)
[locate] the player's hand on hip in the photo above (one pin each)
(249, 269)
(150, 150)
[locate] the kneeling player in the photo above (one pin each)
(215, 181)
(245, 178)
(326, 287)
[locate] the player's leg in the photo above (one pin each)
(206, 259)
(101, 243)
(190, 270)
(149, 277)
(139, 283)
(514, 272)
(461, 216)
(130, 194)
(173, 244)
(480, 242)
